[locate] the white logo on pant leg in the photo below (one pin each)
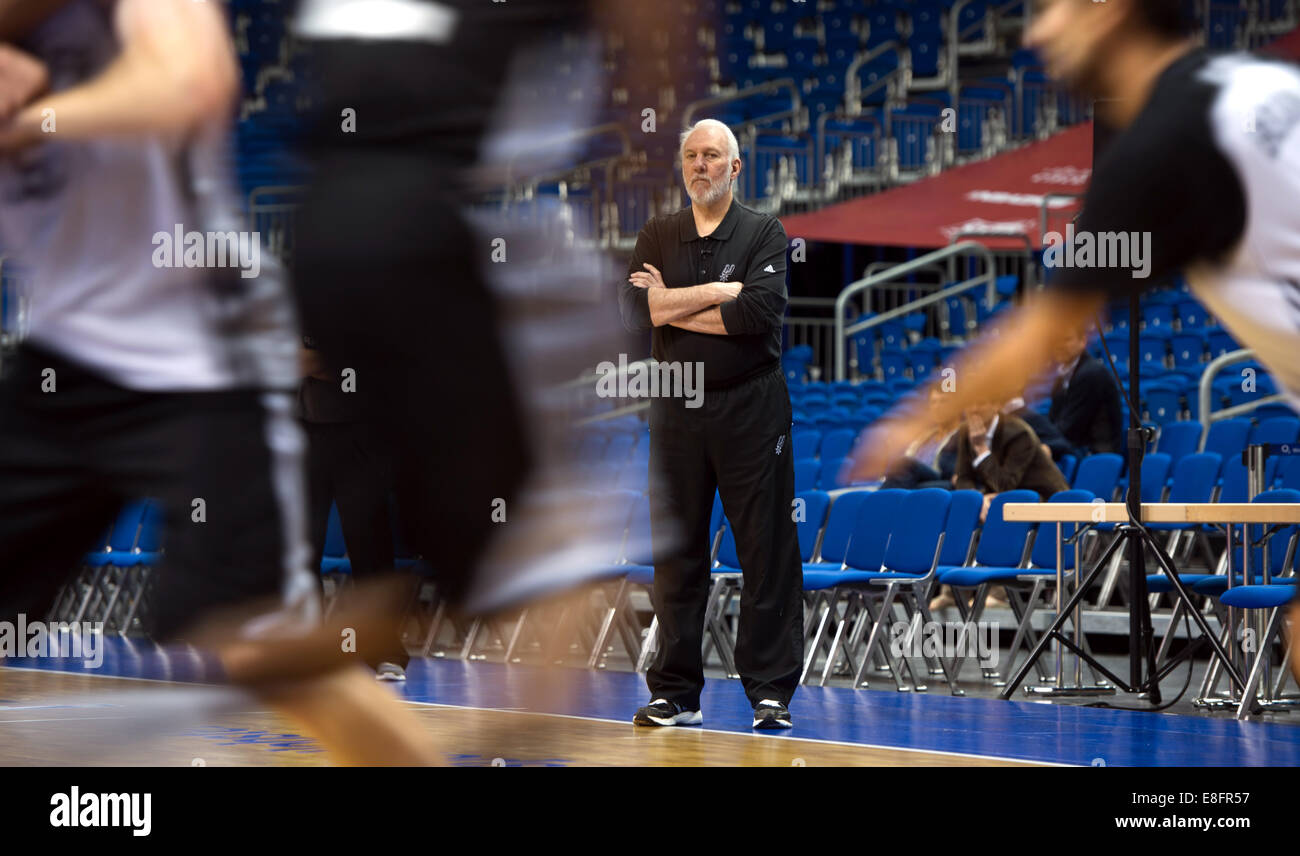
(769, 269)
(780, 444)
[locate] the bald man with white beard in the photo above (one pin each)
(710, 282)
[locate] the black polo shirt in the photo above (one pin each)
(747, 247)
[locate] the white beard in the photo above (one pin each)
(713, 194)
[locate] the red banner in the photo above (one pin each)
(1000, 195)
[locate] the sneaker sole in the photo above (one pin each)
(772, 724)
(684, 718)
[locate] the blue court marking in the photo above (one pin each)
(274, 741)
(920, 722)
(925, 722)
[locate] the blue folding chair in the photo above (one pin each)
(857, 532)
(1155, 473)
(806, 471)
(145, 556)
(108, 577)
(1193, 482)
(1003, 544)
(1189, 350)
(840, 522)
(828, 477)
(1068, 465)
(806, 443)
(837, 443)
(1227, 438)
(1040, 576)
(1178, 440)
(810, 515)
(1099, 474)
(1271, 586)
(1278, 432)
(902, 557)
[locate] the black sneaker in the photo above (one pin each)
(663, 712)
(771, 714)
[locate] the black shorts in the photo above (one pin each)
(225, 467)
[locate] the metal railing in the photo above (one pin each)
(843, 331)
(888, 296)
(1205, 390)
(816, 333)
(860, 153)
(273, 212)
(795, 113)
(989, 121)
(1028, 272)
(1043, 209)
(897, 80)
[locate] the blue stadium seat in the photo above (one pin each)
(805, 474)
(829, 474)
(1219, 342)
(815, 505)
(1279, 431)
(1279, 553)
(806, 443)
(1068, 465)
(963, 520)
(1194, 480)
(334, 557)
(837, 443)
(121, 537)
(1155, 472)
(840, 523)
(1178, 440)
(896, 544)
(1227, 437)
(1099, 474)
(1163, 403)
(1188, 349)
(1001, 545)
(1191, 315)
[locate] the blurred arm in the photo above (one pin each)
(997, 368)
(176, 71)
(994, 369)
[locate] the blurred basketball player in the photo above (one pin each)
(423, 107)
(1205, 165)
(161, 355)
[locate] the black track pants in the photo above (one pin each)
(739, 443)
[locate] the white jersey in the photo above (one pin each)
(124, 246)
(1255, 291)
(1211, 170)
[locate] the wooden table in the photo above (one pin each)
(1222, 513)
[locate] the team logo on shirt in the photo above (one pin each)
(726, 273)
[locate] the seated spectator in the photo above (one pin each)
(930, 461)
(997, 453)
(1085, 400)
(1051, 438)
